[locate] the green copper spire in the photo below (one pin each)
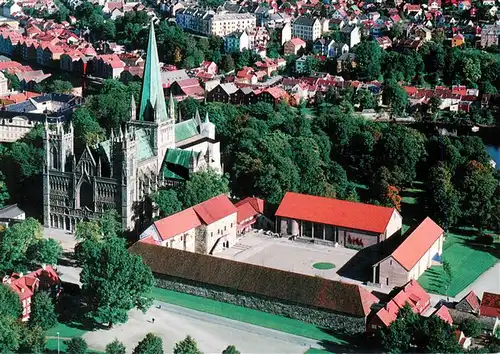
(152, 97)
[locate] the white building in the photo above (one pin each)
(307, 28)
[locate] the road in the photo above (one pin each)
(212, 333)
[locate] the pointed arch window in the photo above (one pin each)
(54, 158)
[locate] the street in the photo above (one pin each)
(212, 333)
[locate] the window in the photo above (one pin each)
(211, 234)
(224, 227)
(390, 262)
(387, 281)
(231, 224)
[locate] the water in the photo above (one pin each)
(494, 152)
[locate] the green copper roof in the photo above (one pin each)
(144, 149)
(152, 97)
(185, 130)
(179, 158)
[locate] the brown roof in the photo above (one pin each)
(349, 299)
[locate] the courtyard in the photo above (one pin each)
(294, 256)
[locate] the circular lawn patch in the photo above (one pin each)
(324, 265)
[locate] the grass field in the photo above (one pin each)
(467, 263)
(65, 331)
(244, 314)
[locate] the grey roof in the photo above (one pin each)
(168, 77)
(10, 212)
(347, 29)
(229, 88)
(304, 21)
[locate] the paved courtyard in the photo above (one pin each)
(281, 253)
(212, 333)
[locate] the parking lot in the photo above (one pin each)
(294, 256)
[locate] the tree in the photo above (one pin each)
(108, 268)
(436, 336)
(16, 241)
(441, 199)
(448, 273)
(60, 86)
(110, 224)
(151, 344)
(167, 202)
(477, 188)
(45, 252)
(10, 333)
(186, 346)
(396, 97)
(365, 99)
(201, 186)
(231, 349)
(396, 338)
(227, 63)
(10, 305)
(87, 128)
(33, 340)
(368, 57)
(4, 192)
(13, 81)
(76, 345)
(471, 327)
(115, 347)
(42, 311)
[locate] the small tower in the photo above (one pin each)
(208, 128)
(171, 108)
(133, 108)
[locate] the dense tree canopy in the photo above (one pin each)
(150, 344)
(186, 346)
(42, 313)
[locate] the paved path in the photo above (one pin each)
(212, 333)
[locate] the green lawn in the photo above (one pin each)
(65, 331)
(244, 314)
(52, 345)
(467, 263)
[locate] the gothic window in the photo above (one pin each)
(54, 158)
(86, 195)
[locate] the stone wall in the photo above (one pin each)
(338, 322)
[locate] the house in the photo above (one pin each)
(350, 224)
(11, 214)
(443, 313)
(168, 77)
(412, 257)
(490, 305)
(410, 293)
(236, 42)
(204, 228)
(470, 303)
(301, 64)
(222, 93)
(293, 46)
(25, 286)
(285, 33)
(384, 42)
(462, 340)
(249, 211)
(323, 46)
(490, 35)
(307, 28)
(457, 40)
(106, 66)
(273, 95)
(187, 88)
(434, 4)
(326, 303)
(337, 50)
(351, 35)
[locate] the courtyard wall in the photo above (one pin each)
(318, 317)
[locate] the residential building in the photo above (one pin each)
(307, 28)
(4, 85)
(222, 93)
(206, 228)
(273, 95)
(25, 286)
(490, 35)
(249, 210)
(457, 40)
(210, 23)
(293, 46)
(11, 214)
(322, 46)
(335, 221)
(351, 35)
(337, 49)
(326, 303)
(151, 152)
(301, 64)
(490, 305)
(470, 303)
(412, 257)
(410, 293)
(106, 66)
(285, 33)
(236, 42)
(18, 119)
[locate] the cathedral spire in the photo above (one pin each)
(197, 117)
(171, 107)
(152, 96)
(206, 117)
(133, 108)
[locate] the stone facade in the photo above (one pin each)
(150, 152)
(318, 317)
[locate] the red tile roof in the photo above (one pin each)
(336, 212)
(25, 286)
(420, 241)
(443, 313)
(249, 207)
(490, 305)
(297, 42)
(386, 317)
(207, 212)
(472, 299)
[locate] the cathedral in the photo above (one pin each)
(151, 151)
